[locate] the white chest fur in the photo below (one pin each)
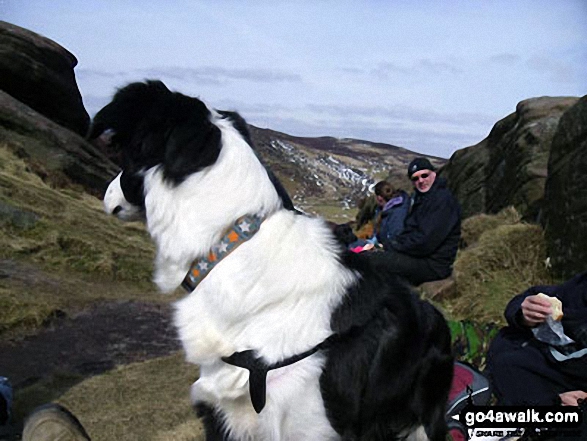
(276, 297)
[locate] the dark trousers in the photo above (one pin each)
(522, 373)
(415, 270)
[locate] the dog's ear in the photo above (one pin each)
(192, 145)
(130, 106)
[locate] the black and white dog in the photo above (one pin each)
(296, 338)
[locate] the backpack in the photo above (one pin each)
(469, 386)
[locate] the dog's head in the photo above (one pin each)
(190, 171)
(153, 127)
(148, 126)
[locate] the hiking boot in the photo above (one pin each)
(53, 422)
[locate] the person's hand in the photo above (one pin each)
(535, 310)
(572, 398)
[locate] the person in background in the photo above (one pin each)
(394, 206)
(426, 248)
(388, 220)
(528, 362)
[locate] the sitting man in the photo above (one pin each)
(427, 246)
(529, 365)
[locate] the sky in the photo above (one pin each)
(430, 76)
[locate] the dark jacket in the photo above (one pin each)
(432, 229)
(572, 294)
(392, 220)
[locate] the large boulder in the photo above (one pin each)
(39, 73)
(59, 156)
(565, 206)
(509, 167)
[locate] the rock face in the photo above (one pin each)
(565, 207)
(509, 167)
(59, 156)
(39, 73)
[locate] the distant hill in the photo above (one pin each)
(332, 171)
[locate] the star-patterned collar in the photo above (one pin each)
(242, 230)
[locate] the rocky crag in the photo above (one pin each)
(42, 117)
(533, 159)
(39, 72)
(509, 167)
(565, 196)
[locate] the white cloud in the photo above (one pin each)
(505, 59)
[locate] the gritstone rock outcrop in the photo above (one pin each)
(59, 156)
(39, 73)
(509, 167)
(565, 203)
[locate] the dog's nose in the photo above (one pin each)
(116, 210)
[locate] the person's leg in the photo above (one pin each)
(413, 269)
(522, 375)
(53, 422)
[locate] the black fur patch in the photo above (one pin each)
(393, 367)
(156, 127)
(212, 423)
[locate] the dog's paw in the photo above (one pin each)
(220, 382)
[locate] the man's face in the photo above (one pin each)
(423, 180)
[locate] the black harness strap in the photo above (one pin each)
(258, 369)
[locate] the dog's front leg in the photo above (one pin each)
(168, 273)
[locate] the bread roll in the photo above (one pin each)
(556, 304)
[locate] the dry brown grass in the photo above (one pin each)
(505, 258)
(138, 402)
(474, 226)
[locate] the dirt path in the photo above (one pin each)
(91, 342)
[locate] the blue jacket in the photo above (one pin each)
(432, 229)
(392, 219)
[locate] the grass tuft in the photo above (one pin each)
(473, 227)
(503, 262)
(138, 402)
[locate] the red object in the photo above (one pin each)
(462, 377)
